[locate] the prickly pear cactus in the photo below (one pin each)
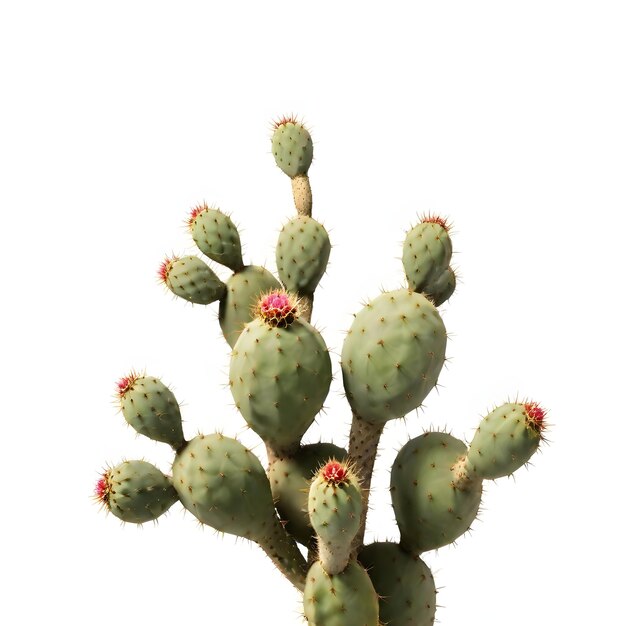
(314, 497)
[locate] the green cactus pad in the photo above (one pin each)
(136, 492)
(344, 599)
(403, 582)
(426, 253)
(441, 289)
(192, 279)
(335, 507)
(279, 378)
(216, 236)
(292, 147)
(243, 291)
(505, 440)
(290, 478)
(392, 355)
(302, 254)
(224, 485)
(151, 409)
(431, 510)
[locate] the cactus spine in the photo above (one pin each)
(280, 372)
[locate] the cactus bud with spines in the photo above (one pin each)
(135, 491)
(302, 254)
(280, 374)
(335, 508)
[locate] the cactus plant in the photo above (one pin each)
(315, 496)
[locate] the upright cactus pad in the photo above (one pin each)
(279, 376)
(292, 147)
(335, 508)
(135, 491)
(216, 236)
(302, 254)
(392, 355)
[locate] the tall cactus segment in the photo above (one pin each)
(317, 494)
(280, 373)
(335, 508)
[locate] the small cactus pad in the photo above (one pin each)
(279, 378)
(302, 254)
(278, 309)
(506, 439)
(392, 355)
(431, 510)
(335, 507)
(344, 599)
(292, 147)
(403, 582)
(290, 478)
(426, 258)
(216, 236)
(135, 491)
(238, 306)
(192, 279)
(151, 408)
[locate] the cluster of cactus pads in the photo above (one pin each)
(316, 495)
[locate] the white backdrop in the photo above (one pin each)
(118, 117)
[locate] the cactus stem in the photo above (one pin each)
(364, 438)
(302, 195)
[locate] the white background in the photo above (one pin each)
(118, 117)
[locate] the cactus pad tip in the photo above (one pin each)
(535, 416)
(278, 308)
(433, 218)
(102, 490)
(200, 208)
(286, 119)
(125, 383)
(165, 267)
